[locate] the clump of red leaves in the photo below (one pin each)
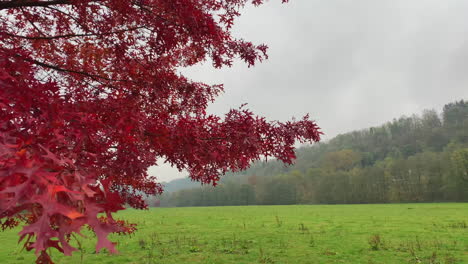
(90, 97)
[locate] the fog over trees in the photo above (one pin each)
(421, 158)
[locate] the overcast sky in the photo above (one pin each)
(351, 64)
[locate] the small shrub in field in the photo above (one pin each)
(279, 223)
(433, 259)
(375, 242)
(303, 228)
(194, 249)
(461, 224)
(312, 241)
(449, 259)
(142, 243)
(328, 252)
(265, 259)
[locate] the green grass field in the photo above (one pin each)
(390, 233)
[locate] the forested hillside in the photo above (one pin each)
(422, 158)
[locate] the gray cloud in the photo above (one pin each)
(351, 64)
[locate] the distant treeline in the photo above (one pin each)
(410, 159)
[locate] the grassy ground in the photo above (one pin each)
(391, 233)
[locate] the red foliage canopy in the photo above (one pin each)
(90, 97)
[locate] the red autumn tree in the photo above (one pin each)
(91, 96)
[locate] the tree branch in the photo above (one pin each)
(57, 68)
(31, 3)
(75, 35)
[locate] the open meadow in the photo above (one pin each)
(382, 233)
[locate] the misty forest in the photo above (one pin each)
(421, 158)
